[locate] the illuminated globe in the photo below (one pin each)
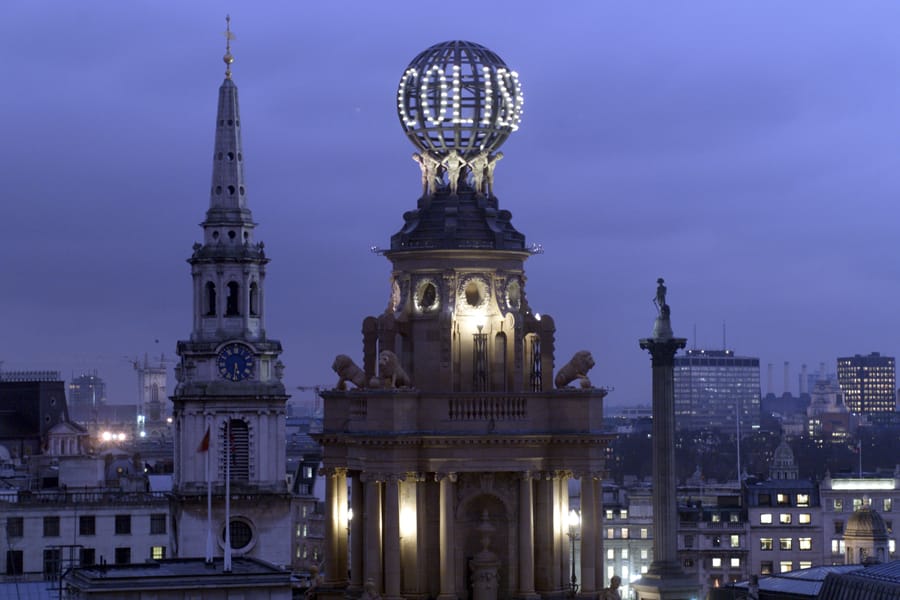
(459, 95)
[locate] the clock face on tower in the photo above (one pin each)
(235, 362)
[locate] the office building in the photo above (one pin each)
(715, 389)
(868, 383)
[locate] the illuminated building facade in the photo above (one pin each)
(868, 383)
(455, 446)
(713, 387)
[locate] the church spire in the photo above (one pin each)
(228, 203)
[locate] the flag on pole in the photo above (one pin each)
(204, 443)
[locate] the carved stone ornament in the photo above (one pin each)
(347, 370)
(428, 296)
(474, 292)
(577, 368)
(514, 294)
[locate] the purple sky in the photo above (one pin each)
(748, 152)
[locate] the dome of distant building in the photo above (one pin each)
(866, 523)
(459, 96)
(783, 465)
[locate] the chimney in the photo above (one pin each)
(787, 378)
(771, 383)
(803, 379)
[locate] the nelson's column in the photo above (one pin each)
(229, 402)
(455, 444)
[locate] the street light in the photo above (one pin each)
(574, 522)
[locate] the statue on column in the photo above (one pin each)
(662, 328)
(660, 299)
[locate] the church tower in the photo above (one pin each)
(455, 447)
(229, 402)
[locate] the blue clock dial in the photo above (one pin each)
(235, 362)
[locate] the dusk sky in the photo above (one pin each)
(748, 152)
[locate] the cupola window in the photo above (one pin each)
(210, 299)
(254, 300)
(231, 305)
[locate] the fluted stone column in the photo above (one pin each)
(543, 536)
(335, 562)
(447, 541)
(599, 553)
(356, 534)
(391, 538)
(589, 522)
(372, 565)
(526, 537)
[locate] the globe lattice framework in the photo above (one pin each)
(459, 96)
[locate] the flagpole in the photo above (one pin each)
(209, 535)
(227, 564)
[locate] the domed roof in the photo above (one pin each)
(783, 453)
(866, 523)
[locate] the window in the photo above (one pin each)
(643, 533)
(783, 499)
(644, 554)
(785, 543)
(623, 514)
(609, 514)
(716, 562)
(158, 523)
(716, 518)
(688, 563)
(735, 562)
(610, 554)
(765, 567)
(785, 566)
(52, 562)
(784, 518)
(123, 556)
(892, 546)
(839, 527)
(610, 572)
(610, 533)
(15, 527)
(716, 541)
(625, 553)
(239, 435)
(88, 557)
(765, 543)
(802, 499)
(735, 541)
(805, 564)
(87, 525)
(51, 526)
(254, 300)
(834, 546)
(838, 504)
(804, 543)
(123, 525)
(765, 518)
(157, 552)
(231, 301)
(734, 518)
(886, 505)
(307, 472)
(889, 525)
(857, 504)
(624, 533)
(625, 572)
(688, 541)
(765, 500)
(241, 534)
(804, 518)
(210, 299)
(14, 562)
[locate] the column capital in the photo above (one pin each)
(452, 476)
(332, 471)
(662, 351)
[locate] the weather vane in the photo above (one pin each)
(228, 58)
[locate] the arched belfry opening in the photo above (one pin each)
(210, 299)
(232, 301)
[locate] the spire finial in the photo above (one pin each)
(228, 58)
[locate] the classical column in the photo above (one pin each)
(560, 540)
(372, 537)
(526, 537)
(356, 533)
(543, 535)
(447, 541)
(589, 523)
(392, 538)
(342, 524)
(599, 553)
(335, 564)
(664, 580)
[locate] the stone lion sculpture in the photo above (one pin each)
(577, 368)
(347, 370)
(390, 371)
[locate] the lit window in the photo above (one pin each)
(624, 553)
(735, 562)
(716, 518)
(857, 503)
(784, 518)
(625, 572)
(785, 543)
(623, 513)
(716, 562)
(610, 533)
(644, 569)
(643, 533)
(802, 499)
(804, 543)
(158, 552)
(892, 546)
(765, 543)
(765, 567)
(838, 504)
(735, 541)
(785, 566)
(783, 499)
(610, 554)
(805, 564)
(624, 533)
(765, 518)
(644, 553)
(609, 514)
(804, 518)
(834, 546)
(734, 518)
(886, 505)
(842, 547)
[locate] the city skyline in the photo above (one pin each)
(742, 153)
